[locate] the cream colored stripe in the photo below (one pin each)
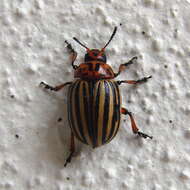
(111, 112)
(82, 111)
(74, 111)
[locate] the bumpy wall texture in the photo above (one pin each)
(34, 131)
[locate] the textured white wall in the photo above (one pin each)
(34, 145)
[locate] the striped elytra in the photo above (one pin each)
(94, 110)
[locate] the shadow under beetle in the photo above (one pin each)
(94, 102)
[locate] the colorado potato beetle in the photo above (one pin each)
(94, 101)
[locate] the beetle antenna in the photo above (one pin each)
(80, 43)
(113, 34)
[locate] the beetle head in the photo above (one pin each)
(96, 54)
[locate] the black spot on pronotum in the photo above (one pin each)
(97, 67)
(170, 121)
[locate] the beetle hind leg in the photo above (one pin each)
(72, 150)
(133, 124)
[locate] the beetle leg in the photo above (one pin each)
(73, 54)
(145, 79)
(133, 124)
(122, 67)
(72, 150)
(56, 88)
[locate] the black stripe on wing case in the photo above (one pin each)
(106, 111)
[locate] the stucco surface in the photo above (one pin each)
(34, 142)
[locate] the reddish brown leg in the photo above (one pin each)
(72, 150)
(73, 54)
(56, 88)
(145, 79)
(133, 124)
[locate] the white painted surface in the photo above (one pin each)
(32, 50)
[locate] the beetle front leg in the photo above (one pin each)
(73, 54)
(56, 88)
(133, 124)
(139, 81)
(122, 67)
(72, 150)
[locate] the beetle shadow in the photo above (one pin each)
(58, 131)
(56, 148)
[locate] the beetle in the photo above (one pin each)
(94, 101)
